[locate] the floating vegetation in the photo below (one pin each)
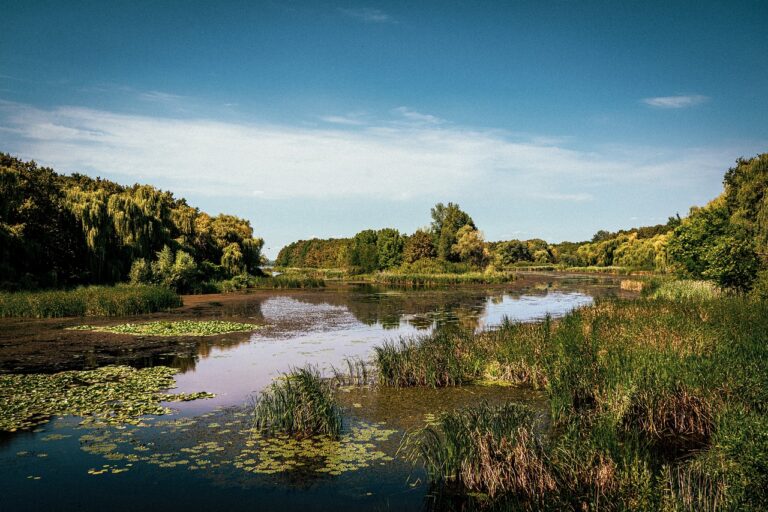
(172, 328)
(113, 395)
(195, 444)
(300, 403)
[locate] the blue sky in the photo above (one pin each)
(542, 119)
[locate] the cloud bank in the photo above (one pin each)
(413, 155)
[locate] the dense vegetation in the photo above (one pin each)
(118, 300)
(726, 242)
(60, 231)
(653, 404)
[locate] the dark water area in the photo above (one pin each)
(205, 456)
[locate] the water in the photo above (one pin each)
(198, 458)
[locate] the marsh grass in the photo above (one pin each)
(119, 300)
(633, 387)
(300, 404)
(278, 282)
(685, 290)
(489, 449)
(354, 372)
(445, 279)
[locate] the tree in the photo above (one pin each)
(389, 247)
(446, 222)
(419, 246)
(232, 259)
(510, 252)
(470, 246)
(363, 252)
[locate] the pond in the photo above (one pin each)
(205, 456)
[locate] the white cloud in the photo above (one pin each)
(348, 120)
(417, 117)
(369, 15)
(676, 101)
(423, 159)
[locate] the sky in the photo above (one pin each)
(320, 119)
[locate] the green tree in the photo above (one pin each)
(389, 246)
(363, 251)
(446, 222)
(419, 246)
(510, 252)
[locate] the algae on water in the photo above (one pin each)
(172, 328)
(112, 395)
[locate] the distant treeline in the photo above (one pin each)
(725, 241)
(60, 231)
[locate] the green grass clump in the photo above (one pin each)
(120, 300)
(684, 290)
(432, 360)
(301, 404)
(486, 449)
(172, 328)
(112, 395)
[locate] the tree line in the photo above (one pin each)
(65, 230)
(725, 241)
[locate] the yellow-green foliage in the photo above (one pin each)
(168, 328)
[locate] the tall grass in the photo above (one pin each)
(278, 282)
(299, 403)
(652, 403)
(678, 290)
(120, 300)
(426, 280)
(493, 450)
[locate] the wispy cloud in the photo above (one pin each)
(350, 120)
(376, 160)
(417, 117)
(160, 97)
(368, 15)
(676, 101)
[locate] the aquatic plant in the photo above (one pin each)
(493, 450)
(299, 403)
(172, 328)
(431, 360)
(112, 395)
(120, 300)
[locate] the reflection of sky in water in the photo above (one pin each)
(324, 335)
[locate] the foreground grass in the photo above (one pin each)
(176, 328)
(120, 300)
(654, 405)
(301, 404)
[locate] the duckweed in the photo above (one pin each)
(112, 395)
(172, 328)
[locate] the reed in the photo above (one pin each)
(120, 300)
(301, 404)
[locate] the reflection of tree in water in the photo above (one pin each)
(436, 308)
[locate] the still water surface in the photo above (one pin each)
(199, 458)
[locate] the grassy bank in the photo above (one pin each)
(120, 300)
(654, 404)
(279, 282)
(422, 280)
